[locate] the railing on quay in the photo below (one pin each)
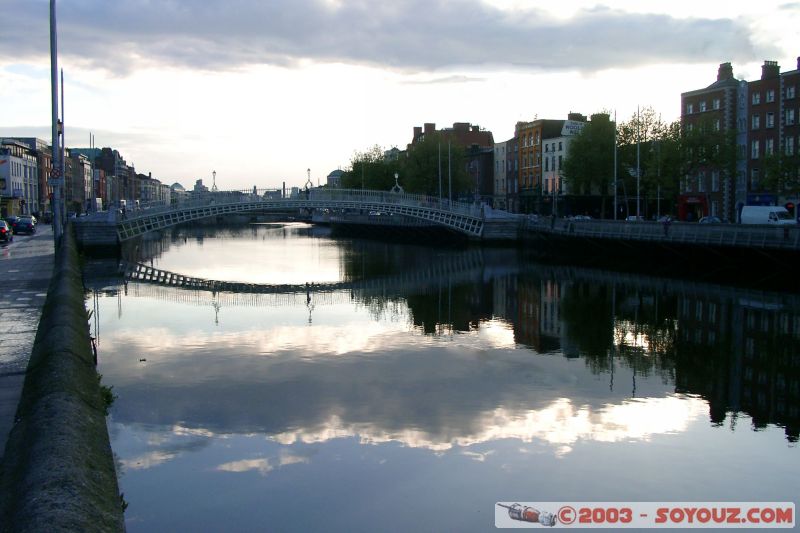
(722, 235)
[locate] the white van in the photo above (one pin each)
(767, 214)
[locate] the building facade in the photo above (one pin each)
(19, 178)
(530, 135)
(555, 150)
(761, 119)
(500, 182)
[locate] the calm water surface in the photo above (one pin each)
(411, 388)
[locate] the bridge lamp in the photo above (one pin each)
(397, 188)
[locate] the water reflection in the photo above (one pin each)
(451, 351)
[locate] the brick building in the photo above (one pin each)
(762, 116)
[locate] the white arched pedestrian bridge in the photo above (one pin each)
(462, 217)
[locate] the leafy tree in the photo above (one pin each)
(705, 146)
(369, 170)
(655, 147)
(589, 166)
(420, 169)
(782, 172)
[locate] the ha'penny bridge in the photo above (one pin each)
(477, 222)
(474, 221)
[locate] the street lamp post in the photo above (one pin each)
(57, 159)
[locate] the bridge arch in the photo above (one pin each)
(458, 216)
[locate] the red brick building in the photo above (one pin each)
(763, 116)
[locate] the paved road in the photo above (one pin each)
(26, 266)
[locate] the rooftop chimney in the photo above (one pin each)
(770, 70)
(430, 127)
(725, 72)
(417, 131)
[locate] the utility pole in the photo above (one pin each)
(638, 172)
(440, 174)
(57, 165)
(449, 178)
(615, 165)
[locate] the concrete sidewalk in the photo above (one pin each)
(26, 266)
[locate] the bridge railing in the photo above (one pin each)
(310, 196)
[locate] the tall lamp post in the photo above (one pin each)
(57, 164)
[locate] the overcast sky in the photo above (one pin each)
(262, 90)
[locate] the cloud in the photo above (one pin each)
(446, 79)
(406, 35)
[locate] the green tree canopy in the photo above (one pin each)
(654, 147)
(589, 166)
(420, 170)
(369, 170)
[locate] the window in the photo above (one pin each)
(715, 103)
(701, 182)
(756, 122)
(754, 150)
(771, 95)
(689, 109)
(790, 92)
(689, 127)
(769, 147)
(756, 98)
(560, 146)
(714, 181)
(754, 179)
(789, 145)
(716, 124)
(790, 117)
(770, 120)
(702, 105)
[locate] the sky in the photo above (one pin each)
(261, 91)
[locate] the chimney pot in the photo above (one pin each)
(725, 72)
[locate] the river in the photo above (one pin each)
(411, 388)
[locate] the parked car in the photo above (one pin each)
(767, 214)
(634, 218)
(6, 235)
(25, 225)
(12, 222)
(711, 220)
(32, 217)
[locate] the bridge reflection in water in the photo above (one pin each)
(736, 347)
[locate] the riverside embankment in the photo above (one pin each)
(58, 470)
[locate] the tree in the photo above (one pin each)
(420, 169)
(781, 172)
(705, 146)
(653, 147)
(589, 165)
(369, 170)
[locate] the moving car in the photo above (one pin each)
(12, 222)
(6, 235)
(710, 220)
(25, 225)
